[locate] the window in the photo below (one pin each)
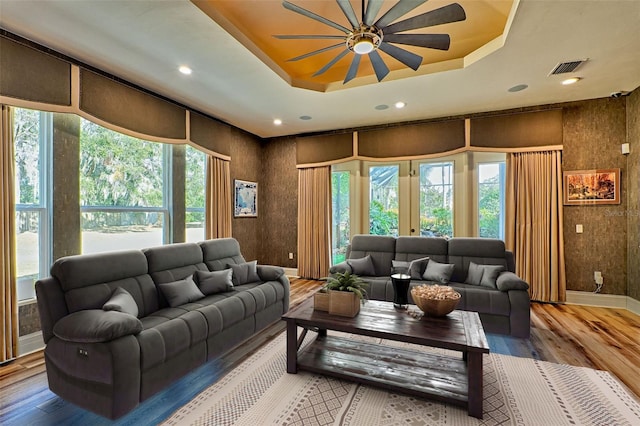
(123, 181)
(340, 201)
(383, 200)
(436, 199)
(32, 136)
(491, 190)
(194, 194)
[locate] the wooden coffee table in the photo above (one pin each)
(452, 379)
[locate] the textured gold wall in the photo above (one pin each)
(593, 133)
(246, 164)
(279, 220)
(633, 193)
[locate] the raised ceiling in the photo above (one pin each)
(254, 24)
(145, 41)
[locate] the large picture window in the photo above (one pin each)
(194, 194)
(122, 190)
(436, 199)
(32, 138)
(383, 200)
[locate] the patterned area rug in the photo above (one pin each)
(517, 391)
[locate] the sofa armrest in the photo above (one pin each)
(269, 273)
(51, 305)
(341, 267)
(509, 281)
(95, 326)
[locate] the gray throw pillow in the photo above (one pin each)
(362, 266)
(96, 325)
(180, 292)
(417, 267)
(490, 275)
(400, 266)
(244, 273)
(509, 281)
(438, 272)
(474, 276)
(214, 282)
(122, 301)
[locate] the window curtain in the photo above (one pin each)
(534, 222)
(218, 199)
(314, 222)
(8, 296)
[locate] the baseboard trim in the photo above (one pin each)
(291, 272)
(603, 300)
(30, 343)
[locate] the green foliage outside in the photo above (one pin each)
(489, 208)
(26, 129)
(194, 186)
(381, 220)
(341, 224)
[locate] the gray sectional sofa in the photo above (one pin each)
(503, 303)
(120, 326)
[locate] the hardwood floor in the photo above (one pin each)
(599, 338)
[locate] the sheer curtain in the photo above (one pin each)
(534, 222)
(314, 222)
(8, 296)
(218, 199)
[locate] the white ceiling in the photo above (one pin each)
(144, 42)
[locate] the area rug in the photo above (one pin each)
(517, 391)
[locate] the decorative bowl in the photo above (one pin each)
(435, 300)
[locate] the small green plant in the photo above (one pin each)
(346, 281)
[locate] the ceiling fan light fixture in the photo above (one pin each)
(363, 46)
(364, 40)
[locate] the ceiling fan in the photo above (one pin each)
(368, 35)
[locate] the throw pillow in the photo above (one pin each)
(417, 267)
(244, 273)
(362, 266)
(474, 276)
(490, 275)
(438, 272)
(180, 292)
(122, 301)
(400, 267)
(214, 282)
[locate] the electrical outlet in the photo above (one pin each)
(596, 275)
(290, 255)
(579, 229)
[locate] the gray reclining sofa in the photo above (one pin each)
(108, 361)
(503, 305)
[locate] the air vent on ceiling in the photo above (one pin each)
(565, 67)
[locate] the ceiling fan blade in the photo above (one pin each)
(401, 8)
(379, 66)
(353, 69)
(432, 41)
(411, 60)
(294, 8)
(308, 37)
(373, 7)
(347, 9)
(315, 52)
(332, 62)
(444, 15)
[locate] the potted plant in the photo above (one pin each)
(346, 292)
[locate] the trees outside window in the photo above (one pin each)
(491, 188)
(194, 194)
(436, 199)
(383, 200)
(340, 201)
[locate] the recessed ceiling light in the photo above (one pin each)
(185, 70)
(400, 104)
(277, 122)
(305, 117)
(381, 107)
(517, 88)
(570, 81)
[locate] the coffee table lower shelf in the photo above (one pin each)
(436, 377)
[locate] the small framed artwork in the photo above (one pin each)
(592, 187)
(246, 199)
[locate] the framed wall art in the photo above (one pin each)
(245, 199)
(592, 187)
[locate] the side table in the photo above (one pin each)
(400, 284)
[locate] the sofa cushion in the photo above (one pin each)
(380, 248)
(220, 252)
(474, 276)
(180, 292)
(410, 248)
(214, 282)
(362, 266)
(509, 281)
(400, 267)
(417, 267)
(121, 301)
(490, 274)
(244, 273)
(96, 325)
(173, 262)
(438, 272)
